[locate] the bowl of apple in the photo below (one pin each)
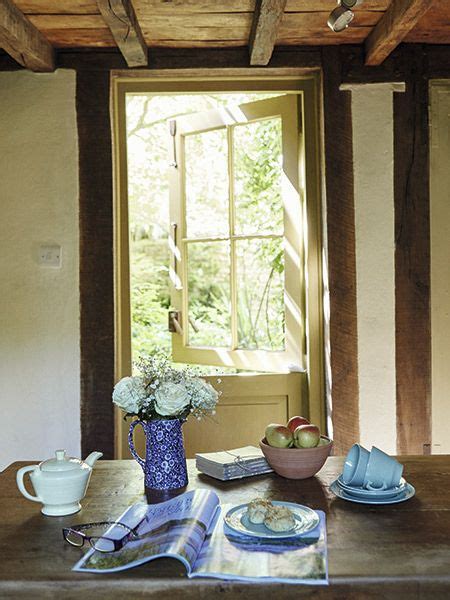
(296, 450)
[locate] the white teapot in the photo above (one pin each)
(60, 483)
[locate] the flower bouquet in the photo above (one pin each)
(162, 392)
(162, 398)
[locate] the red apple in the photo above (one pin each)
(307, 436)
(295, 422)
(279, 436)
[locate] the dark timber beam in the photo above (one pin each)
(412, 259)
(391, 29)
(22, 41)
(266, 22)
(120, 17)
(96, 262)
(337, 112)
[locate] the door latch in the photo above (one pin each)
(175, 322)
(173, 133)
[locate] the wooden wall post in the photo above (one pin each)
(412, 258)
(341, 253)
(96, 262)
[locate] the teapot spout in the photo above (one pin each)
(93, 458)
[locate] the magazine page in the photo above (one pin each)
(176, 528)
(229, 555)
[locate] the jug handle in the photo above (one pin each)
(135, 455)
(19, 478)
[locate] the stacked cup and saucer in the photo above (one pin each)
(371, 478)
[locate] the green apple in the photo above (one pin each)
(279, 436)
(307, 436)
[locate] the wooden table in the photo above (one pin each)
(400, 551)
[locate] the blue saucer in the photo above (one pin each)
(363, 493)
(407, 493)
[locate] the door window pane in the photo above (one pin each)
(257, 177)
(209, 295)
(207, 184)
(260, 294)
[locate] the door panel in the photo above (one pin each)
(247, 405)
(255, 317)
(253, 234)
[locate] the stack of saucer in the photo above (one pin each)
(371, 478)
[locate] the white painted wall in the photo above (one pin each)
(373, 156)
(39, 307)
(440, 265)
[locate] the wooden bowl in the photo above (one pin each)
(297, 463)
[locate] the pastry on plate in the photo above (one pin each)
(258, 509)
(279, 518)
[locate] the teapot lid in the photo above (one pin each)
(60, 462)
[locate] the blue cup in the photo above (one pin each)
(355, 466)
(383, 472)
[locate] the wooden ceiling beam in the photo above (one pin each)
(266, 23)
(121, 19)
(21, 40)
(398, 20)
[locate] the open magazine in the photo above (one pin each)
(191, 529)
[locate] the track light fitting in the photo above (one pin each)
(341, 17)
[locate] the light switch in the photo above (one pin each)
(50, 256)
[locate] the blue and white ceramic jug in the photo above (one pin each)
(165, 461)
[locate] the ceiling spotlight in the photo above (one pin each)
(341, 17)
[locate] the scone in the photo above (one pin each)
(279, 518)
(258, 509)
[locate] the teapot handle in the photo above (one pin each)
(19, 478)
(135, 455)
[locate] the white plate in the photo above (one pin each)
(306, 519)
(406, 494)
(363, 493)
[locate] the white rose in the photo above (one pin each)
(171, 399)
(129, 394)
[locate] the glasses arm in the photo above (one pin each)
(99, 524)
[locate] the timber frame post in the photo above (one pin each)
(96, 263)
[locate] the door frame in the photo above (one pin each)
(284, 80)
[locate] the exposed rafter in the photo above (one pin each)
(121, 19)
(266, 23)
(21, 40)
(392, 28)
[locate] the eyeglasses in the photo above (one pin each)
(94, 533)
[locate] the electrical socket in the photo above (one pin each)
(50, 256)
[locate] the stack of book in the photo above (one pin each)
(233, 464)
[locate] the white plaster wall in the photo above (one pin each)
(372, 112)
(39, 307)
(440, 265)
